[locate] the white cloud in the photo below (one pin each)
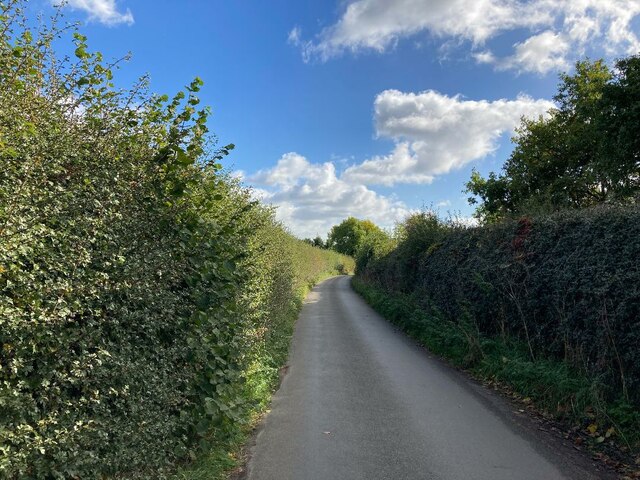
(379, 24)
(400, 166)
(312, 197)
(103, 11)
(294, 36)
(576, 25)
(484, 57)
(436, 133)
(540, 53)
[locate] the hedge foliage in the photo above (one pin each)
(567, 286)
(140, 287)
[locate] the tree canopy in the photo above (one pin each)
(585, 152)
(361, 239)
(315, 242)
(350, 234)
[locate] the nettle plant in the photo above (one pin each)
(119, 239)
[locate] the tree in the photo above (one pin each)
(350, 234)
(361, 239)
(584, 153)
(375, 244)
(619, 127)
(318, 242)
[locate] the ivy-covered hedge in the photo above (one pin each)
(566, 286)
(140, 287)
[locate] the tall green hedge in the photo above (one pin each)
(567, 286)
(138, 283)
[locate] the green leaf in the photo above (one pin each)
(81, 52)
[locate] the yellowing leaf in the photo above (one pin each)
(593, 428)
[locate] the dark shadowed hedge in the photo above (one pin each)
(566, 285)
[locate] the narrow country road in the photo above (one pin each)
(362, 401)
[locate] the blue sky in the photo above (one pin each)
(371, 108)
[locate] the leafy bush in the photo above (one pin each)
(137, 281)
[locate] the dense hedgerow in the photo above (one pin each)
(566, 287)
(140, 288)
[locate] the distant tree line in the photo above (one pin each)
(316, 242)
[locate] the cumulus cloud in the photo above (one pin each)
(436, 133)
(575, 25)
(540, 53)
(103, 11)
(312, 197)
(400, 166)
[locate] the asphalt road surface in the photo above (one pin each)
(362, 401)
